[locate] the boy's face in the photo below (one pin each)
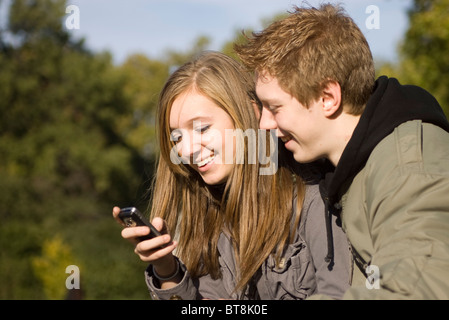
(301, 128)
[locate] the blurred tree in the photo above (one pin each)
(64, 161)
(144, 79)
(51, 265)
(59, 105)
(424, 52)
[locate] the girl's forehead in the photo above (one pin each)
(191, 106)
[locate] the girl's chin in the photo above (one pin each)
(217, 174)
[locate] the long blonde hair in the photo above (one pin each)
(255, 210)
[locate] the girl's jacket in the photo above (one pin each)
(302, 271)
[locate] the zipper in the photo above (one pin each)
(360, 262)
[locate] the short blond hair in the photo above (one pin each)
(311, 47)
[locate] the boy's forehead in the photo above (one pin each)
(263, 76)
(269, 91)
(264, 81)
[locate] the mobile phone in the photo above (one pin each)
(131, 217)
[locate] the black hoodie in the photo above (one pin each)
(390, 105)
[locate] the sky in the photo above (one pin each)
(151, 27)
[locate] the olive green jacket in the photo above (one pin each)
(391, 190)
(396, 216)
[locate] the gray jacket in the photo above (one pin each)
(301, 272)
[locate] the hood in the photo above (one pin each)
(390, 105)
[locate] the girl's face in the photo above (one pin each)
(199, 129)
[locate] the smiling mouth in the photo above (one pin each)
(204, 162)
(286, 139)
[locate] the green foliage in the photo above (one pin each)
(32, 18)
(51, 265)
(424, 52)
(143, 80)
(65, 161)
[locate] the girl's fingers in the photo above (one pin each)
(135, 232)
(148, 253)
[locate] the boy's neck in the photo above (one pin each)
(343, 128)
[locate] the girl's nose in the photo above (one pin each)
(189, 147)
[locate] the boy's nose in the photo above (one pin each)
(267, 121)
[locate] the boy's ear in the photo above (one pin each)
(331, 99)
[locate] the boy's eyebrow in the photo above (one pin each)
(270, 101)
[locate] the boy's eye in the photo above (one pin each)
(273, 109)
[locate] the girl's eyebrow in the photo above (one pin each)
(190, 121)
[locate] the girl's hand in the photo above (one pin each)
(162, 259)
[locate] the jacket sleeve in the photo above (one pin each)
(185, 290)
(188, 289)
(332, 279)
(407, 209)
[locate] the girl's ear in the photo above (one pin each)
(331, 98)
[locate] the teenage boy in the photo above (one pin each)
(389, 144)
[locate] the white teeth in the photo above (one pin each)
(285, 139)
(205, 161)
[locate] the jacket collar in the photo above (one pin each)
(390, 105)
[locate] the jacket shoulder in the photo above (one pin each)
(413, 147)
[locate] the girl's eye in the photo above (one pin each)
(176, 137)
(202, 129)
